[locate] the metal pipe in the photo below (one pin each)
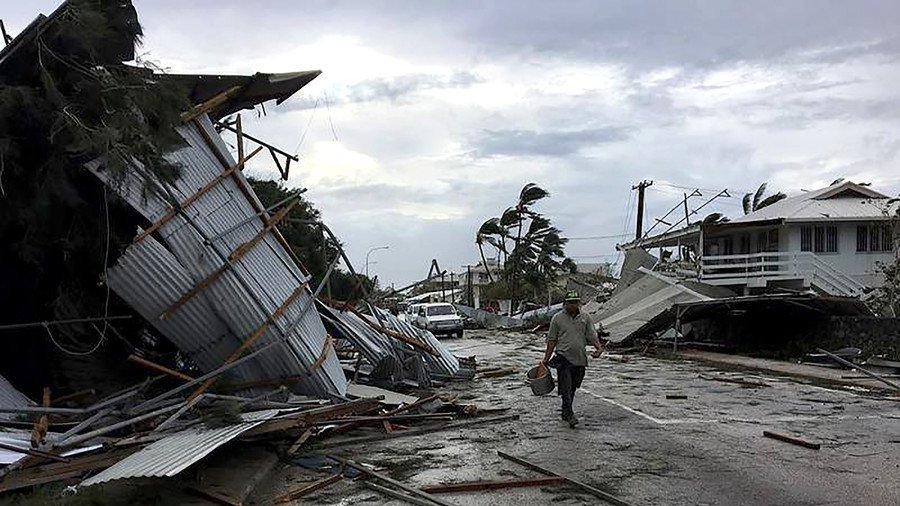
(116, 426)
(16, 326)
(860, 369)
(260, 142)
(265, 212)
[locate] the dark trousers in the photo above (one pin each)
(569, 378)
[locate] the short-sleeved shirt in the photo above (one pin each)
(571, 336)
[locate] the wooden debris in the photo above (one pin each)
(676, 397)
(737, 381)
(158, 368)
(424, 430)
(497, 374)
(318, 485)
(33, 452)
(606, 496)
(299, 442)
(473, 486)
(871, 374)
(387, 479)
(396, 494)
(792, 440)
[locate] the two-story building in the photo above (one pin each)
(830, 240)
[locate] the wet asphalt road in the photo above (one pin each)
(633, 442)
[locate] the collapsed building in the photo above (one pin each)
(773, 272)
(134, 244)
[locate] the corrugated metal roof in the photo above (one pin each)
(445, 363)
(151, 276)
(171, 455)
(649, 296)
(12, 398)
(845, 201)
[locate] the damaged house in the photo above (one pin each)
(824, 245)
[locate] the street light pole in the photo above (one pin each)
(369, 253)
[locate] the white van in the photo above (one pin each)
(440, 318)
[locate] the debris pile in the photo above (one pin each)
(211, 294)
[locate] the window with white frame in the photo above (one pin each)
(819, 238)
(877, 238)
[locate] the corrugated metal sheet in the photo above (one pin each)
(12, 398)
(445, 363)
(151, 275)
(171, 455)
(636, 305)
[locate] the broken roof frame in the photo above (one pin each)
(266, 285)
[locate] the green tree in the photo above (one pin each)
(532, 249)
(308, 242)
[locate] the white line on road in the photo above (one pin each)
(778, 419)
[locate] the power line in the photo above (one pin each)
(596, 237)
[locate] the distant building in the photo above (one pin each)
(600, 269)
(480, 278)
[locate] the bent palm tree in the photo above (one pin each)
(485, 232)
(753, 202)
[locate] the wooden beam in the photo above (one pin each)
(236, 354)
(606, 496)
(293, 495)
(33, 452)
(247, 192)
(474, 486)
(387, 479)
(396, 494)
(299, 442)
(235, 255)
(173, 212)
(42, 424)
(210, 104)
(158, 368)
(792, 440)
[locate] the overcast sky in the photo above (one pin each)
(430, 116)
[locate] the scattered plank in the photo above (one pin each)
(158, 368)
(792, 440)
(396, 494)
(497, 374)
(676, 397)
(424, 430)
(606, 496)
(299, 442)
(296, 494)
(387, 479)
(871, 374)
(33, 452)
(474, 486)
(737, 381)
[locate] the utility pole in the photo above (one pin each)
(469, 283)
(640, 187)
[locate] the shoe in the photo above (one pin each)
(572, 422)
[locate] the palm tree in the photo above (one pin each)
(754, 201)
(485, 232)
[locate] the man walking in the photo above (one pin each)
(570, 331)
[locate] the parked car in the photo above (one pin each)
(440, 318)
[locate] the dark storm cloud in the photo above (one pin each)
(554, 143)
(392, 89)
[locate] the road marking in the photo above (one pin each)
(777, 419)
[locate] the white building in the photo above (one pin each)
(829, 240)
(480, 278)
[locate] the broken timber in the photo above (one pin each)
(172, 213)
(836, 358)
(606, 496)
(158, 368)
(387, 479)
(296, 494)
(235, 255)
(474, 486)
(792, 440)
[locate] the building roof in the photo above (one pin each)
(844, 201)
